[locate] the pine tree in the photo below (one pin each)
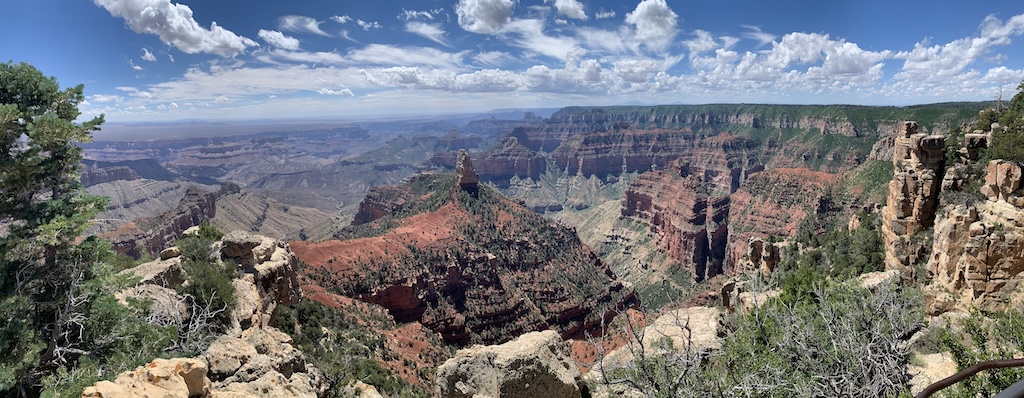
(43, 210)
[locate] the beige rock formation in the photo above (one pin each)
(761, 255)
(464, 172)
(872, 280)
(178, 377)
(978, 253)
(913, 196)
(536, 364)
(251, 359)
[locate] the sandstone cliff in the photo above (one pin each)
(913, 197)
(978, 253)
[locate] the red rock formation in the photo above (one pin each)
(510, 159)
(475, 268)
(774, 202)
(690, 223)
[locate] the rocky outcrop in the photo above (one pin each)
(251, 359)
(913, 197)
(507, 160)
(978, 253)
(465, 175)
(761, 255)
(533, 365)
(178, 377)
(690, 223)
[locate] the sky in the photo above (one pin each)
(167, 60)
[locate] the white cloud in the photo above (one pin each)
(147, 56)
(636, 71)
(174, 24)
(529, 34)
(380, 54)
(484, 16)
(570, 8)
(655, 23)
(431, 31)
(135, 67)
(367, 25)
(755, 33)
(936, 63)
(101, 98)
(603, 14)
(300, 24)
(494, 58)
(344, 92)
(170, 57)
(221, 99)
(341, 19)
(126, 89)
(278, 39)
(174, 105)
(702, 43)
(408, 15)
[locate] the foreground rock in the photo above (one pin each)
(251, 359)
(978, 253)
(536, 364)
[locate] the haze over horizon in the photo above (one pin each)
(158, 60)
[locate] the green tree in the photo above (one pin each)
(43, 210)
(1010, 144)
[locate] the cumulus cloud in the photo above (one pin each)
(484, 16)
(344, 92)
(939, 62)
(341, 19)
(431, 31)
(300, 24)
(148, 56)
(220, 99)
(655, 23)
(604, 14)
(278, 39)
(174, 24)
(132, 63)
(702, 43)
(569, 8)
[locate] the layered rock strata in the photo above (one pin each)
(690, 224)
(978, 253)
(913, 197)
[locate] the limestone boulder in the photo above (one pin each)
(178, 377)
(536, 364)
(165, 273)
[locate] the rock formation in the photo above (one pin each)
(913, 197)
(536, 364)
(252, 359)
(507, 160)
(474, 267)
(978, 253)
(465, 175)
(690, 223)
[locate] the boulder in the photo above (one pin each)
(178, 377)
(170, 252)
(927, 369)
(165, 273)
(872, 280)
(536, 364)
(239, 244)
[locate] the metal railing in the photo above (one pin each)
(1015, 390)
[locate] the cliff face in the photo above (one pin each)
(95, 176)
(152, 234)
(469, 264)
(913, 196)
(690, 223)
(505, 161)
(978, 254)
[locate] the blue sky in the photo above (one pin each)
(155, 60)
